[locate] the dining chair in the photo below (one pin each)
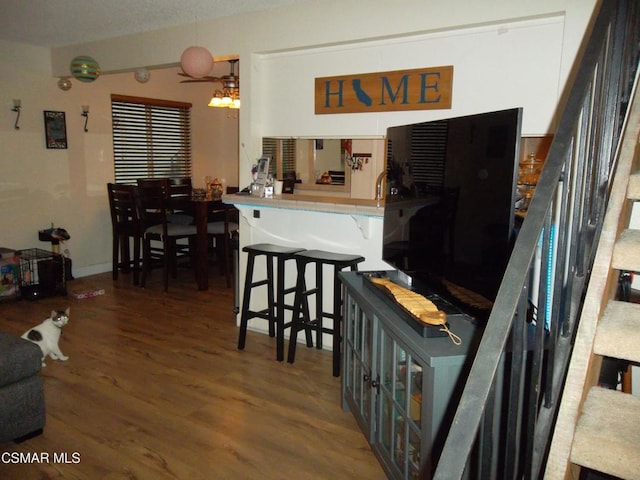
(125, 225)
(179, 190)
(152, 182)
(221, 230)
(180, 181)
(153, 204)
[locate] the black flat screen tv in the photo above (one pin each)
(450, 206)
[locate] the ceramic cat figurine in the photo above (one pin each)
(47, 335)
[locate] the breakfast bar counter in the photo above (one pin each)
(315, 203)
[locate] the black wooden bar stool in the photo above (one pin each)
(274, 313)
(301, 319)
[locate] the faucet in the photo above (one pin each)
(379, 181)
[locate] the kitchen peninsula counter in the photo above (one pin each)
(314, 203)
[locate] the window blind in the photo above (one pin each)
(428, 153)
(270, 149)
(151, 138)
(283, 155)
(289, 147)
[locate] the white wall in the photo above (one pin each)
(482, 79)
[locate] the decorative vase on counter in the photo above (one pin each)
(215, 189)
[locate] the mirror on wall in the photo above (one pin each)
(318, 163)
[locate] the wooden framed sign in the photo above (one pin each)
(418, 89)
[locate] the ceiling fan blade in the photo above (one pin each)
(199, 80)
(228, 81)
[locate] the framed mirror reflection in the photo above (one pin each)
(314, 163)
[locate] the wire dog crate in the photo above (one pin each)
(42, 273)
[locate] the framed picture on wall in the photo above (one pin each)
(55, 129)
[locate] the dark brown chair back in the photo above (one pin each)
(180, 191)
(124, 215)
(125, 224)
(177, 181)
(151, 182)
(151, 201)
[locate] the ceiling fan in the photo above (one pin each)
(230, 81)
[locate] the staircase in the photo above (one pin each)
(599, 428)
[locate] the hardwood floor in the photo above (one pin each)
(155, 388)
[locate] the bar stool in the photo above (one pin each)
(301, 316)
(274, 313)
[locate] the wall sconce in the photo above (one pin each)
(85, 114)
(17, 106)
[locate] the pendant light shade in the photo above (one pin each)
(84, 68)
(197, 62)
(64, 83)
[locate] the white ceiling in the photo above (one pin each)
(55, 23)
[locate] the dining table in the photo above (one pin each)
(184, 200)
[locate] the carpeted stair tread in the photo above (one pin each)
(626, 253)
(633, 189)
(618, 332)
(607, 437)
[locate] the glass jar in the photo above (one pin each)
(215, 189)
(529, 171)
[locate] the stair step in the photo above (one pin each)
(607, 436)
(626, 253)
(633, 189)
(618, 332)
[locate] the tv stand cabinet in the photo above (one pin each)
(402, 388)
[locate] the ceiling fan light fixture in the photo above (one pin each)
(216, 100)
(229, 95)
(227, 98)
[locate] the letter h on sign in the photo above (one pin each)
(328, 94)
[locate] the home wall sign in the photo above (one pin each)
(400, 90)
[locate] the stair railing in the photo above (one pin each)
(504, 420)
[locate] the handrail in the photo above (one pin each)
(503, 423)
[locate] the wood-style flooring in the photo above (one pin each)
(155, 388)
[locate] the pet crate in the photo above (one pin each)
(42, 273)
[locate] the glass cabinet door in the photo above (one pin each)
(398, 431)
(358, 348)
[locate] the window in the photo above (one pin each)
(283, 156)
(151, 138)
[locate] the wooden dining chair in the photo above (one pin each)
(221, 230)
(153, 204)
(179, 191)
(180, 181)
(125, 226)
